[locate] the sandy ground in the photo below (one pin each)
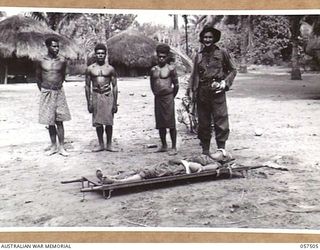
(286, 112)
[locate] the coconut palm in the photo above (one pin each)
(54, 20)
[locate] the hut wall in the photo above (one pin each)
(21, 70)
(2, 71)
(123, 70)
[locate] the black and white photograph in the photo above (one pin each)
(160, 119)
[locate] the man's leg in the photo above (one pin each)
(163, 134)
(60, 133)
(221, 128)
(109, 131)
(173, 135)
(204, 126)
(53, 137)
(99, 130)
(221, 121)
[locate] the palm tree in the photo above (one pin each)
(55, 20)
(295, 31)
(245, 22)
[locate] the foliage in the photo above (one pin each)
(271, 36)
(54, 20)
(86, 29)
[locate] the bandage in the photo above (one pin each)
(186, 165)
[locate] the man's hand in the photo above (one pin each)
(221, 86)
(90, 108)
(115, 108)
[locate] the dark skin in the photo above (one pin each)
(164, 73)
(101, 74)
(50, 73)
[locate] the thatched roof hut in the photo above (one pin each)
(131, 53)
(23, 41)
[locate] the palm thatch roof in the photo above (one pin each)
(25, 37)
(131, 49)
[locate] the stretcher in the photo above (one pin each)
(89, 184)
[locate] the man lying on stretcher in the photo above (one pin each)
(173, 167)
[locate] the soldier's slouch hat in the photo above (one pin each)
(216, 33)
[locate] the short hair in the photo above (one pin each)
(100, 46)
(163, 48)
(51, 39)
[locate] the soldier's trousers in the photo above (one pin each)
(212, 107)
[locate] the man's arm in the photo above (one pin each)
(64, 70)
(175, 82)
(152, 79)
(114, 91)
(88, 90)
(229, 68)
(38, 74)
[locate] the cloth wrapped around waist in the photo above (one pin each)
(51, 87)
(105, 90)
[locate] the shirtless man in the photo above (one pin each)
(102, 100)
(164, 85)
(54, 109)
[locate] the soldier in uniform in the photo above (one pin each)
(102, 100)
(213, 74)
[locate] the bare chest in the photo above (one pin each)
(162, 73)
(101, 71)
(52, 65)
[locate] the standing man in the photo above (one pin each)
(102, 100)
(164, 85)
(54, 109)
(213, 74)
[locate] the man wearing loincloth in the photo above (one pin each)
(164, 85)
(171, 168)
(54, 109)
(102, 94)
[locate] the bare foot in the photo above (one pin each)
(98, 149)
(63, 152)
(173, 151)
(52, 150)
(99, 174)
(50, 147)
(162, 149)
(110, 149)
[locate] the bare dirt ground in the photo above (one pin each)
(286, 112)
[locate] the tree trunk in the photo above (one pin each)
(244, 43)
(295, 31)
(295, 70)
(175, 22)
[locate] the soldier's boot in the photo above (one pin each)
(205, 144)
(221, 155)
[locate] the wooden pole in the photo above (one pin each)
(5, 80)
